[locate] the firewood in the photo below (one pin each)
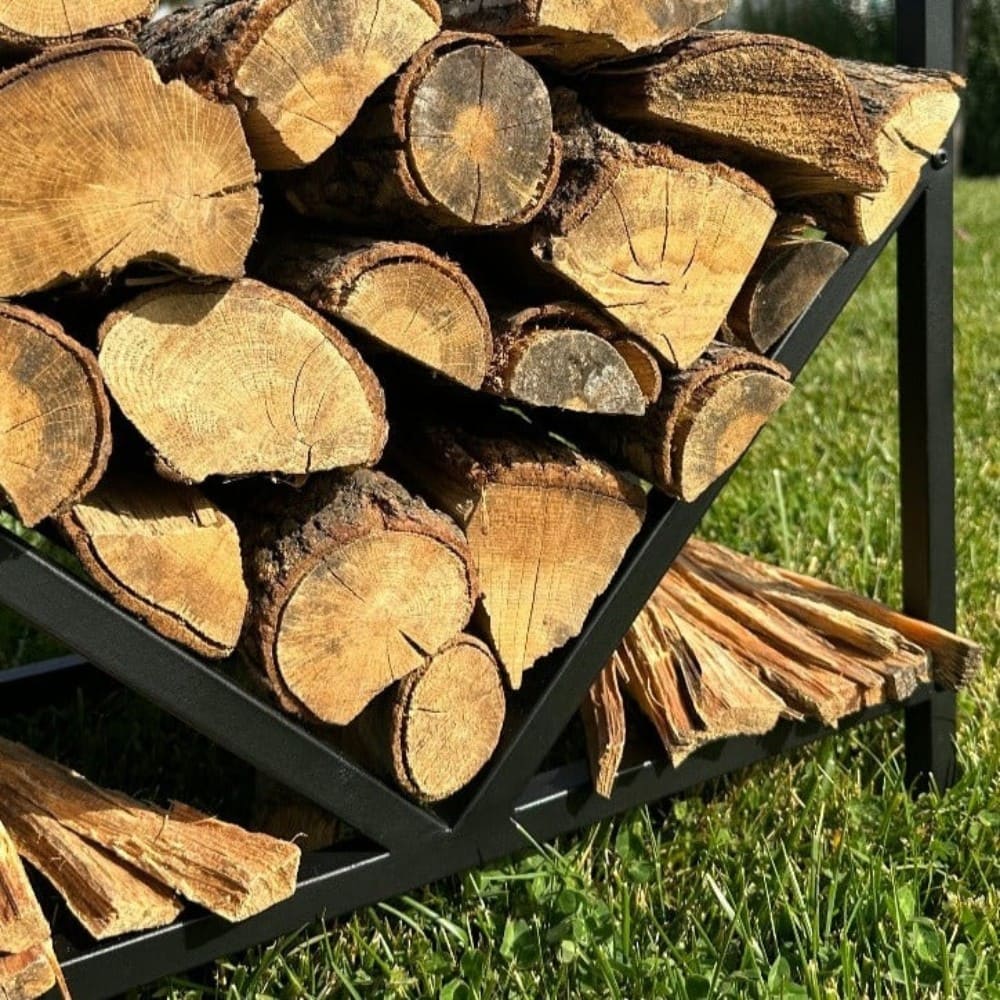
(779, 109)
(231, 379)
(22, 923)
(31, 25)
(437, 729)
(706, 417)
(109, 897)
(230, 872)
(663, 244)
(604, 723)
(570, 35)
(166, 553)
(547, 528)
(567, 356)
(353, 584)
(29, 974)
(789, 274)
(297, 70)
(55, 425)
(464, 141)
(106, 165)
(402, 295)
(911, 112)
(282, 813)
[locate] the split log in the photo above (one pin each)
(29, 974)
(781, 110)
(22, 923)
(465, 141)
(547, 527)
(230, 872)
(32, 25)
(354, 583)
(402, 295)
(705, 419)
(910, 112)
(604, 722)
(106, 165)
(568, 356)
(107, 896)
(570, 35)
(790, 273)
(282, 813)
(297, 70)
(234, 379)
(55, 424)
(661, 243)
(167, 554)
(438, 728)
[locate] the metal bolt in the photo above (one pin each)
(940, 159)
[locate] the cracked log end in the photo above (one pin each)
(168, 176)
(37, 24)
(352, 589)
(167, 554)
(55, 433)
(235, 379)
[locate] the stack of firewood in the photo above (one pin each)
(392, 312)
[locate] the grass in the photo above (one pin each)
(813, 876)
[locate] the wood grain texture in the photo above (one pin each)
(22, 923)
(30, 25)
(604, 723)
(106, 165)
(29, 974)
(297, 70)
(233, 379)
(55, 425)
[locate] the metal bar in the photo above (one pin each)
(203, 697)
(925, 285)
(35, 685)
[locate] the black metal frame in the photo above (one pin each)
(514, 804)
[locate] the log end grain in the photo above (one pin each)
(37, 24)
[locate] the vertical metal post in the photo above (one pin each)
(924, 31)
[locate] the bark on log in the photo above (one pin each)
(570, 35)
(167, 554)
(32, 25)
(233, 379)
(465, 141)
(910, 112)
(438, 728)
(781, 110)
(287, 815)
(107, 896)
(55, 425)
(547, 527)
(106, 165)
(29, 974)
(604, 722)
(354, 583)
(22, 923)
(705, 419)
(402, 295)
(230, 872)
(567, 356)
(662, 244)
(298, 71)
(790, 273)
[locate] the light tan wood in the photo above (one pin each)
(465, 141)
(779, 109)
(22, 923)
(663, 244)
(603, 712)
(569, 34)
(547, 528)
(106, 165)
(911, 112)
(401, 294)
(55, 425)
(354, 583)
(230, 872)
(567, 356)
(297, 70)
(166, 553)
(29, 974)
(232, 379)
(108, 896)
(37, 24)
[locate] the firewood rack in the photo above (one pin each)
(401, 845)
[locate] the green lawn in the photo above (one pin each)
(813, 876)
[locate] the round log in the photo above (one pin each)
(37, 24)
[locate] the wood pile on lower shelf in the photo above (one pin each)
(728, 646)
